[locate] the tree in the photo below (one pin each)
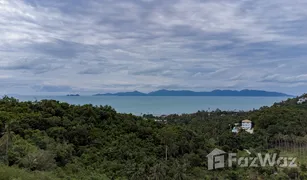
(6, 138)
(158, 171)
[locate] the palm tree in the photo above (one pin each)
(6, 138)
(279, 137)
(158, 171)
(301, 141)
(139, 173)
(304, 144)
(180, 170)
(286, 140)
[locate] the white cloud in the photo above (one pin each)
(96, 46)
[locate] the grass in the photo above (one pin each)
(14, 173)
(301, 159)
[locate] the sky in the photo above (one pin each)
(98, 46)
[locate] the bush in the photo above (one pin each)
(13, 173)
(40, 160)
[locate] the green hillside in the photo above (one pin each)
(51, 139)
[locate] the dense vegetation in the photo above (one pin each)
(55, 140)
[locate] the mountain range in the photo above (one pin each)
(164, 92)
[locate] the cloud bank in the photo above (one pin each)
(96, 46)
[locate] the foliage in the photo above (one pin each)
(49, 139)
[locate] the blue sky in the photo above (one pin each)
(96, 46)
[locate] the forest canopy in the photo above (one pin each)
(49, 139)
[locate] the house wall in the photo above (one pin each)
(246, 125)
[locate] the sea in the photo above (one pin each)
(164, 105)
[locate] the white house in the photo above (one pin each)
(302, 100)
(247, 125)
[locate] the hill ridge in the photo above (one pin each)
(217, 92)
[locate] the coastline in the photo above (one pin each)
(139, 105)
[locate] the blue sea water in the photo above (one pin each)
(159, 105)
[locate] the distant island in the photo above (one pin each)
(165, 92)
(72, 95)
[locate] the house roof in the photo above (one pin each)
(247, 121)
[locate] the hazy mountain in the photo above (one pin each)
(164, 92)
(72, 95)
(134, 93)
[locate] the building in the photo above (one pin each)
(235, 130)
(302, 100)
(251, 131)
(246, 124)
